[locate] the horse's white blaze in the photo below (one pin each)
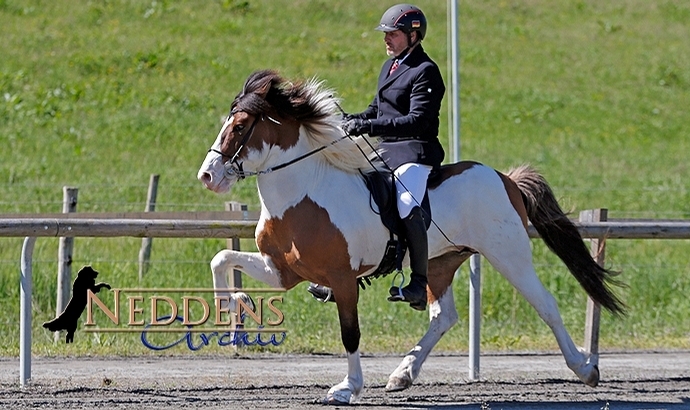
(212, 170)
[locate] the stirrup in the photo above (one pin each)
(399, 297)
(321, 293)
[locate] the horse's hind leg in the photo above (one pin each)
(442, 316)
(514, 262)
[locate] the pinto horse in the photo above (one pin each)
(317, 223)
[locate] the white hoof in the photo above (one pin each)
(398, 383)
(588, 372)
(594, 381)
(343, 393)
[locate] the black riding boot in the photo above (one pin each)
(417, 242)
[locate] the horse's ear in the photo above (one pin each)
(264, 89)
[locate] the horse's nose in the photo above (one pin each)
(205, 178)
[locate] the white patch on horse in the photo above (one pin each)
(329, 188)
(478, 187)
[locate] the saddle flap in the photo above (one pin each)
(381, 185)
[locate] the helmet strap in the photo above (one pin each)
(410, 45)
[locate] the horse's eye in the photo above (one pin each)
(238, 128)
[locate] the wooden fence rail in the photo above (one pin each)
(195, 225)
(223, 225)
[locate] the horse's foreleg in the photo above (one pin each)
(518, 269)
(251, 263)
(349, 390)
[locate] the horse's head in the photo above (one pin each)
(257, 122)
(269, 118)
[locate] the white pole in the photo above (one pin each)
(475, 315)
(455, 79)
(25, 312)
(475, 260)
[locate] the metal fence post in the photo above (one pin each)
(25, 295)
(475, 315)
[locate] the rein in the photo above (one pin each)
(234, 168)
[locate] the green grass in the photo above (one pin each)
(101, 94)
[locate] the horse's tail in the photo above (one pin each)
(563, 238)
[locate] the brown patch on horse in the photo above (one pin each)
(515, 197)
(447, 171)
(262, 127)
(305, 245)
(441, 271)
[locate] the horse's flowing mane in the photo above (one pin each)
(314, 106)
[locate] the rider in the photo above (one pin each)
(405, 115)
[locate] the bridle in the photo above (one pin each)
(233, 168)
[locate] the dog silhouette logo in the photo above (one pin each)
(69, 318)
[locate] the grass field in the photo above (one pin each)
(101, 94)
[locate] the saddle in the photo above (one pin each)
(381, 185)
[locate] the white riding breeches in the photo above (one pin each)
(410, 185)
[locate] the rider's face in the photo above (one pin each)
(396, 42)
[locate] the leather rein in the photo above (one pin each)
(233, 168)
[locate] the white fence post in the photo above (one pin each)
(65, 249)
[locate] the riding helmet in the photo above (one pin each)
(404, 17)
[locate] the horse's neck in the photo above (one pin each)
(310, 177)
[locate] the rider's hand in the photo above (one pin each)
(357, 127)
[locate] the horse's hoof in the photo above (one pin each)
(326, 401)
(398, 384)
(337, 398)
(593, 380)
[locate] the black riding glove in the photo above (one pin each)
(347, 117)
(357, 127)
